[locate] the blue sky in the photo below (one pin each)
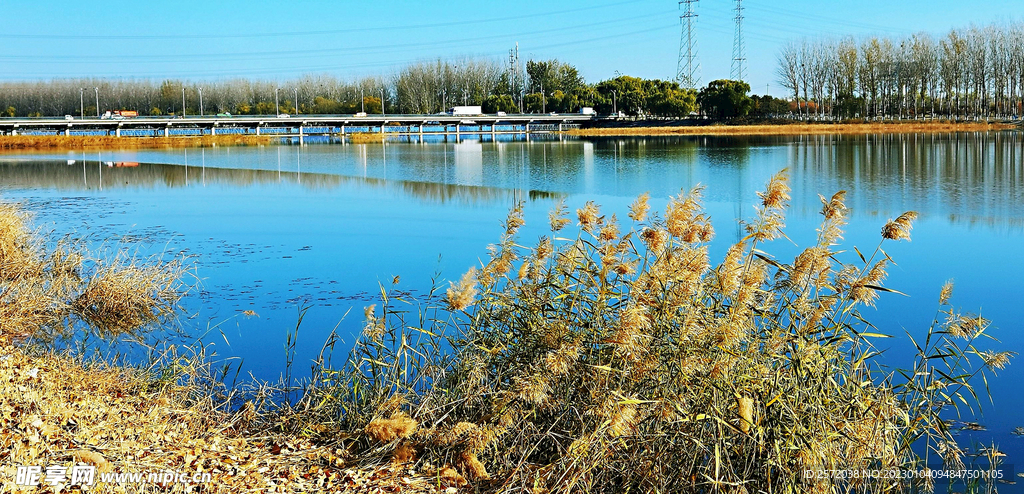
(210, 40)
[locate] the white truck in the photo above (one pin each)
(456, 111)
(586, 110)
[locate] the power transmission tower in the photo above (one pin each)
(737, 45)
(688, 66)
(516, 75)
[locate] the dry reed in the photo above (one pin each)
(795, 129)
(46, 290)
(28, 142)
(368, 137)
(570, 374)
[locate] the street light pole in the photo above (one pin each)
(277, 105)
(543, 100)
(296, 100)
(382, 103)
(81, 102)
(362, 102)
(200, 102)
(97, 102)
(615, 108)
(182, 101)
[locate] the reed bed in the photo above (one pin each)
(796, 129)
(29, 142)
(623, 360)
(49, 290)
(169, 411)
(368, 137)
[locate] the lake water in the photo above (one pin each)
(281, 227)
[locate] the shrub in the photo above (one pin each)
(47, 289)
(628, 362)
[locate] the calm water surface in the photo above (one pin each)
(277, 228)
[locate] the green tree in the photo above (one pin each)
(10, 111)
(724, 99)
(847, 105)
(496, 103)
(670, 100)
(155, 111)
(533, 103)
(768, 107)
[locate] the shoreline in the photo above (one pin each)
(58, 142)
(793, 129)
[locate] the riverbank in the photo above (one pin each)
(168, 416)
(793, 129)
(55, 142)
(61, 412)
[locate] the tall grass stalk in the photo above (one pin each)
(621, 359)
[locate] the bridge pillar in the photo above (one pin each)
(559, 126)
(213, 130)
(257, 129)
(67, 131)
(300, 135)
(167, 131)
(343, 130)
(382, 126)
(527, 127)
(117, 131)
(421, 128)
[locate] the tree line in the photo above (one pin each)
(421, 88)
(977, 72)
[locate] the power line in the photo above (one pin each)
(291, 54)
(303, 33)
(320, 68)
(688, 66)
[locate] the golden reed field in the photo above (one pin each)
(13, 143)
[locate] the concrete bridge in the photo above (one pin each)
(293, 125)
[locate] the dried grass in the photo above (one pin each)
(368, 137)
(26, 142)
(124, 297)
(795, 129)
(571, 374)
(47, 290)
(169, 413)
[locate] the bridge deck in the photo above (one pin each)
(296, 125)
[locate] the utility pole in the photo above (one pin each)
(362, 102)
(182, 101)
(382, 103)
(296, 100)
(688, 65)
(97, 102)
(543, 100)
(737, 45)
(81, 101)
(277, 103)
(200, 102)
(615, 108)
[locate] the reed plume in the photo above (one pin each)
(612, 365)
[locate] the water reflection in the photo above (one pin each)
(975, 178)
(82, 175)
(971, 178)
